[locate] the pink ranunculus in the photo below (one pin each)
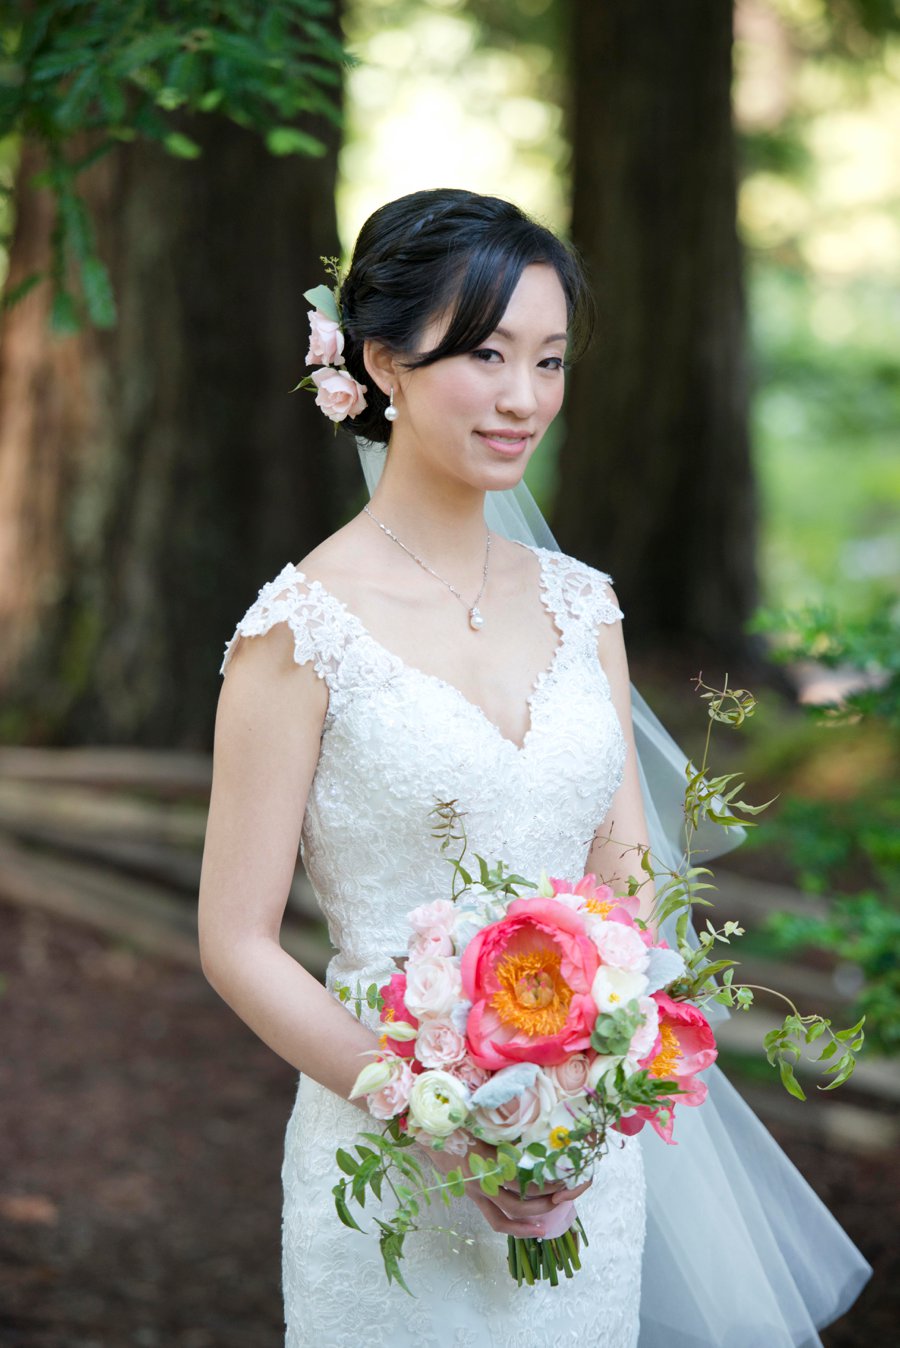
(524, 1117)
(393, 1098)
(439, 1044)
(338, 394)
(457, 1143)
(326, 341)
(393, 995)
(432, 985)
(528, 977)
(470, 1073)
(570, 1077)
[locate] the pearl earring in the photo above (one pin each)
(390, 412)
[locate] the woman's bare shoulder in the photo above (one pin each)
(341, 560)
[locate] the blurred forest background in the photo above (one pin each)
(170, 177)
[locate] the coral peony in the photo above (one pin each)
(528, 977)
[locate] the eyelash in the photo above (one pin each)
(489, 351)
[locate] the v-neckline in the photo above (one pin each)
(537, 683)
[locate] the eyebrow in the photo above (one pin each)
(554, 337)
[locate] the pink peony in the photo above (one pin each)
(326, 341)
(394, 997)
(598, 900)
(338, 395)
(528, 977)
(394, 1097)
(439, 1044)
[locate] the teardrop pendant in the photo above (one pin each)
(476, 621)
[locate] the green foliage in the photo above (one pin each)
(849, 845)
(869, 645)
(81, 76)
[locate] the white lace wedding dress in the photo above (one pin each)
(396, 741)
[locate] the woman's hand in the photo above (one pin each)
(541, 1212)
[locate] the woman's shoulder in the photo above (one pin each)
(295, 599)
(576, 588)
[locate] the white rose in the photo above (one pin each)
(523, 1118)
(621, 947)
(439, 1044)
(433, 984)
(438, 1103)
(614, 988)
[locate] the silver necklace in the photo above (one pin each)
(476, 619)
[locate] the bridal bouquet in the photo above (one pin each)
(544, 1018)
(538, 1022)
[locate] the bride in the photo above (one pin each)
(427, 652)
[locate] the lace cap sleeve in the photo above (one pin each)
(578, 591)
(313, 619)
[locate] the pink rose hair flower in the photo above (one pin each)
(326, 341)
(529, 977)
(338, 394)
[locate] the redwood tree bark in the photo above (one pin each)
(152, 477)
(657, 484)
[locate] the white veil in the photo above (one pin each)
(739, 1250)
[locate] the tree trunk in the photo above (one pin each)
(657, 481)
(152, 477)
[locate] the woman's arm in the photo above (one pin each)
(268, 730)
(613, 855)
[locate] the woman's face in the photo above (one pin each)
(480, 416)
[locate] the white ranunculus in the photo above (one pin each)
(433, 984)
(438, 1103)
(614, 988)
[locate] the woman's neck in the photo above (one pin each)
(440, 519)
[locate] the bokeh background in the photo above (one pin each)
(170, 179)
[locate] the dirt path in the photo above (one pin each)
(140, 1142)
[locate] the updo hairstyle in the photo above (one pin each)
(438, 250)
